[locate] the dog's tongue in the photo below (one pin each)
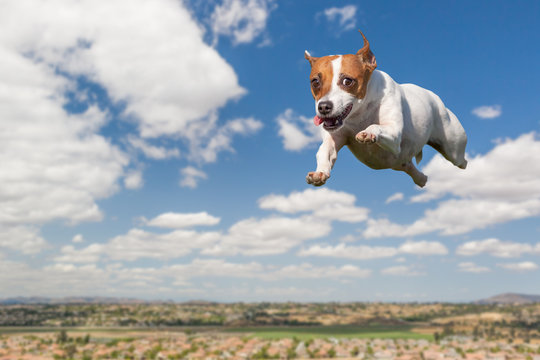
(317, 120)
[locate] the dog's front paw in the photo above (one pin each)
(316, 178)
(366, 137)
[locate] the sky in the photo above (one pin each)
(158, 150)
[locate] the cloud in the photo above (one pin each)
(365, 252)
(309, 271)
(81, 276)
(25, 239)
(488, 112)
(139, 243)
(90, 254)
(241, 20)
(472, 268)
(494, 247)
(476, 190)
(423, 248)
(151, 151)
(55, 165)
(191, 176)
(324, 203)
(362, 252)
(402, 270)
(395, 197)
(173, 91)
(268, 236)
(134, 179)
(178, 220)
(56, 162)
(160, 85)
(297, 132)
(519, 267)
(342, 19)
(205, 149)
(78, 238)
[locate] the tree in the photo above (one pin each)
(62, 337)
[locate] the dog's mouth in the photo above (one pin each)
(332, 123)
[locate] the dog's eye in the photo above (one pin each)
(315, 83)
(347, 81)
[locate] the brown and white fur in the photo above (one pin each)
(383, 123)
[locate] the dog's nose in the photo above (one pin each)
(325, 107)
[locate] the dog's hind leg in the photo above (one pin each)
(418, 177)
(449, 139)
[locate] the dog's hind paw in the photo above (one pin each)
(316, 178)
(366, 137)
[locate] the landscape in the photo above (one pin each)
(505, 326)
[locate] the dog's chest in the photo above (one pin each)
(372, 155)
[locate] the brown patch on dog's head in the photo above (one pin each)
(354, 74)
(356, 70)
(321, 74)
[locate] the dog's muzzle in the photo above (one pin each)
(332, 123)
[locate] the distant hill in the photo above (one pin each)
(511, 298)
(75, 300)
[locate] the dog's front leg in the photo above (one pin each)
(326, 157)
(387, 136)
(387, 133)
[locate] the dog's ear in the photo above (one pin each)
(366, 55)
(310, 58)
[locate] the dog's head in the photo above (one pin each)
(339, 83)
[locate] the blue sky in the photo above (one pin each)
(159, 150)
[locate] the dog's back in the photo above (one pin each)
(446, 134)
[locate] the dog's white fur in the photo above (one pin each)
(388, 127)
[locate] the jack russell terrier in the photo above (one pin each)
(383, 123)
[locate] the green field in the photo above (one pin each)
(274, 332)
(310, 332)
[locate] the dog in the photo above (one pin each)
(383, 123)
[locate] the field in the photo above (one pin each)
(263, 332)
(311, 332)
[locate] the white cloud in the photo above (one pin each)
(519, 267)
(273, 235)
(395, 197)
(401, 270)
(191, 176)
(488, 112)
(25, 239)
(152, 151)
(472, 268)
(476, 190)
(78, 238)
(362, 252)
(83, 276)
(309, 271)
(494, 247)
(172, 90)
(134, 179)
(323, 203)
(297, 131)
(178, 220)
(217, 267)
(241, 20)
(206, 149)
(343, 18)
(160, 85)
(90, 254)
(138, 244)
(423, 248)
(55, 164)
